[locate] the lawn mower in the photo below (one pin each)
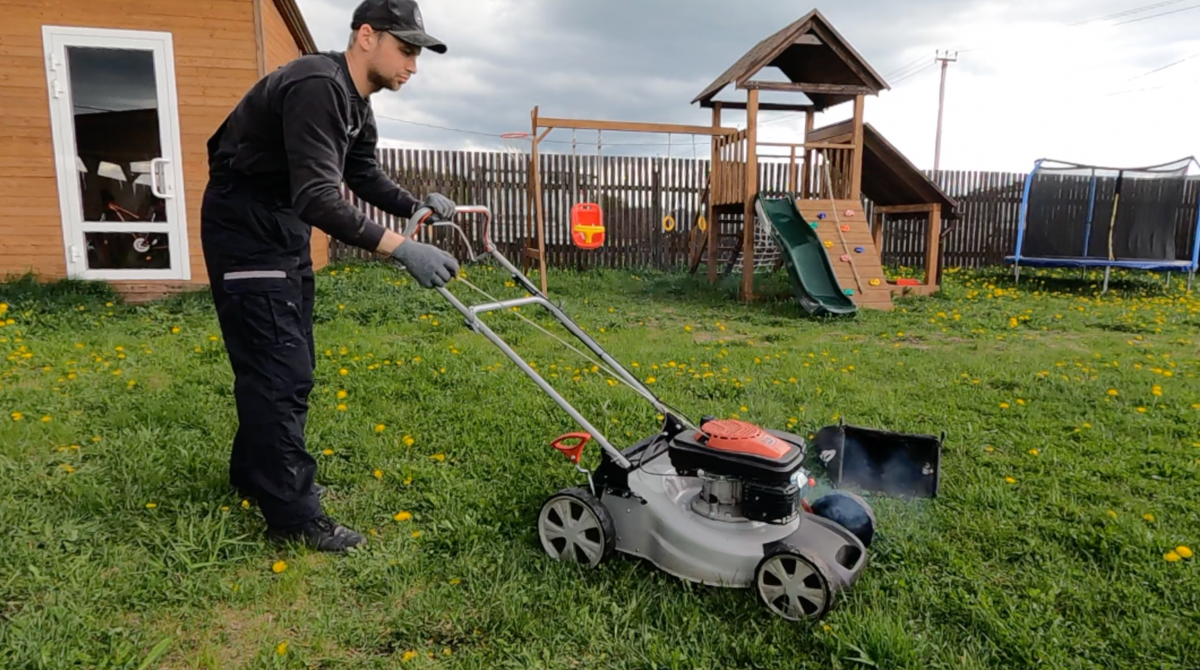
(720, 503)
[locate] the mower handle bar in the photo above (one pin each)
(536, 297)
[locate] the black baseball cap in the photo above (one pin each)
(401, 18)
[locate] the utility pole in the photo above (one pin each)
(945, 60)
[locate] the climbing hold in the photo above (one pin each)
(849, 212)
(845, 258)
(859, 250)
(849, 291)
(828, 244)
(821, 216)
(814, 225)
(874, 282)
(845, 229)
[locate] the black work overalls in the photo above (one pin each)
(275, 167)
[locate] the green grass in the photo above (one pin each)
(123, 546)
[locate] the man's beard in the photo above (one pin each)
(378, 81)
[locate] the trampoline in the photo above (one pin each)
(1087, 216)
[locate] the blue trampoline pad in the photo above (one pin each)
(1100, 263)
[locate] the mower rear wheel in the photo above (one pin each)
(574, 525)
(793, 585)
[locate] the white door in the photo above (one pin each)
(115, 122)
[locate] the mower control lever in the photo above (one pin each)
(571, 451)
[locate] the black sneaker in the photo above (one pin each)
(322, 534)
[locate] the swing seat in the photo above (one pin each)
(587, 225)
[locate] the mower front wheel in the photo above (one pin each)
(573, 525)
(794, 585)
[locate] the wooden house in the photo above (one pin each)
(107, 108)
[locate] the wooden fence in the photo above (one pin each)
(651, 205)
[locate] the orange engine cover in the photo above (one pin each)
(740, 437)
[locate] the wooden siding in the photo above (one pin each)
(214, 65)
(216, 61)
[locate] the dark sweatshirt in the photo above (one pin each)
(296, 135)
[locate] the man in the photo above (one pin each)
(275, 166)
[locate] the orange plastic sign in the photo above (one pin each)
(587, 225)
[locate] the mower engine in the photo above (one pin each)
(747, 473)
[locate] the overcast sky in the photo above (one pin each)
(1027, 83)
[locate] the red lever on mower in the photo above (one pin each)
(571, 451)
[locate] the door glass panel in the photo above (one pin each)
(128, 251)
(115, 97)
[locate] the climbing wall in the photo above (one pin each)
(857, 252)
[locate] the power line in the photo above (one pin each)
(1127, 12)
(1155, 16)
(499, 136)
(1168, 65)
(900, 70)
(928, 66)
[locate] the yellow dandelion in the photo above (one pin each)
(245, 504)
(650, 380)
(1003, 405)
(402, 516)
(378, 474)
(151, 505)
(1171, 556)
(1113, 392)
(1184, 552)
(1141, 410)
(175, 330)
(407, 481)
(379, 428)
(66, 467)
(341, 394)
(1148, 517)
(1112, 514)
(281, 648)
(408, 656)
(455, 581)
(341, 407)
(279, 566)
(328, 452)
(17, 416)
(1010, 480)
(343, 372)
(1156, 390)
(438, 457)
(408, 441)
(1033, 452)
(416, 534)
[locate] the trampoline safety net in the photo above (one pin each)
(1069, 211)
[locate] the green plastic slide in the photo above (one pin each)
(809, 269)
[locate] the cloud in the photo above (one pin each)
(1026, 84)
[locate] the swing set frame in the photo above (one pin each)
(541, 126)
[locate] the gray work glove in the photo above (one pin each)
(442, 206)
(429, 265)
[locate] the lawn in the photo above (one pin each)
(1069, 477)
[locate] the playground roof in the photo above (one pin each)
(888, 177)
(815, 58)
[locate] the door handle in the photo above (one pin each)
(156, 180)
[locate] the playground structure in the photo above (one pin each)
(830, 173)
(1086, 216)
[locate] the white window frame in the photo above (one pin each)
(55, 39)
